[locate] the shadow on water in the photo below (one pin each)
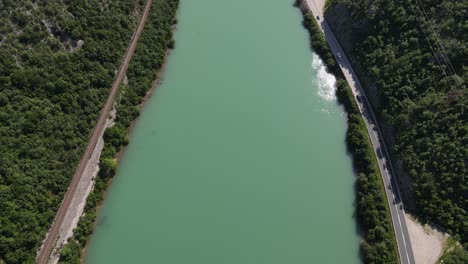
(355, 216)
(102, 220)
(358, 229)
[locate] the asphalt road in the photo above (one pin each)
(50, 241)
(393, 193)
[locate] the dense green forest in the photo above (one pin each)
(146, 63)
(57, 62)
(412, 56)
(379, 244)
(456, 256)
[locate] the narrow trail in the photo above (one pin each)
(49, 243)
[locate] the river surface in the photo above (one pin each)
(239, 157)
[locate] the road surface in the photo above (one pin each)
(49, 243)
(391, 187)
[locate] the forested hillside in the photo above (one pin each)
(57, 62)
(412, 55)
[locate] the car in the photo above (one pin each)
(338, 55)
(318, 18)
(358, 98)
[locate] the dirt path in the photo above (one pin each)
(98, 129)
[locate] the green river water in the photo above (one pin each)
(239, 157)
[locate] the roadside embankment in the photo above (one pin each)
(83, 190)
(145, 67)
(379, 244)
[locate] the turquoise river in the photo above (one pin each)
(239, 156)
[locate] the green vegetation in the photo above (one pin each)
(146, 63)
(455, 256)
(414, 53)
(57, 63)
(71, 253)
(379, 245)
(453, 253)
(328, 3)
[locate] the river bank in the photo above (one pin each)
(372, 204)
(133, 94)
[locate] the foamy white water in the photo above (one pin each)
(325, 81)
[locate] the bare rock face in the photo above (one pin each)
(79, 43)
(74, 45)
